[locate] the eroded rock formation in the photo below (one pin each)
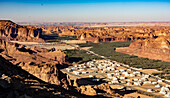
(11, 31)
(103, 88)
(18, 83)
(153, 48)
(108, 34)
(17, 53)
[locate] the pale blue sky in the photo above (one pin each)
(85, 11)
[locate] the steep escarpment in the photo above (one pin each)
(153, 48)
(11, 31)
(17, 83)
(42, 63)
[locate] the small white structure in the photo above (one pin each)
(168, 94)
(135, 79)
(76, 72)
(138, 83)
(158, 86)
(69, 70)
(159, 80)
(122, 78)
(146, 82)
(114, 81)
(131, 75)
(149, 90)
(153, 82)
(84, 72)
(91, 76)
(163, 90)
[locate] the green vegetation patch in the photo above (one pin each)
(79, 56)
(56, 38)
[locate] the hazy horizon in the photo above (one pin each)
(85, 11)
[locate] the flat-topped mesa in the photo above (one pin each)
(12, 31)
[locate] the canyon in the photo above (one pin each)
(149, 40)
(45, 65)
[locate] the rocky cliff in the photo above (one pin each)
(15, 82)
(11, 31)
(153, 48)
(109, 34)
(17, 53)
(43, 64)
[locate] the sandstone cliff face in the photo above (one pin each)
(41, 63)
(109, 34)
(16, 82)
(11, 31)
(153, 48)
(48, 73)
(18, 53)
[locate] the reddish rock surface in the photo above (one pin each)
(18, 83)
(17, 53)
(102, 89)
(43, 64)
(39, 62)
(108, 34)
(11, 31)
(158, 48)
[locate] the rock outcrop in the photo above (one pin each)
(153, 48)
(15, 82)
(17, 53)
(41, 63)
(48, 73)
(102, 89)
(11, 31)
(109, 34)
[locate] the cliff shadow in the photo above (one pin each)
(50, 37)
(1, 50)
(74, 59)
(123, 91)
(89, 81)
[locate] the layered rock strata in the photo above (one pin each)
(11, 31)
(153, 48)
